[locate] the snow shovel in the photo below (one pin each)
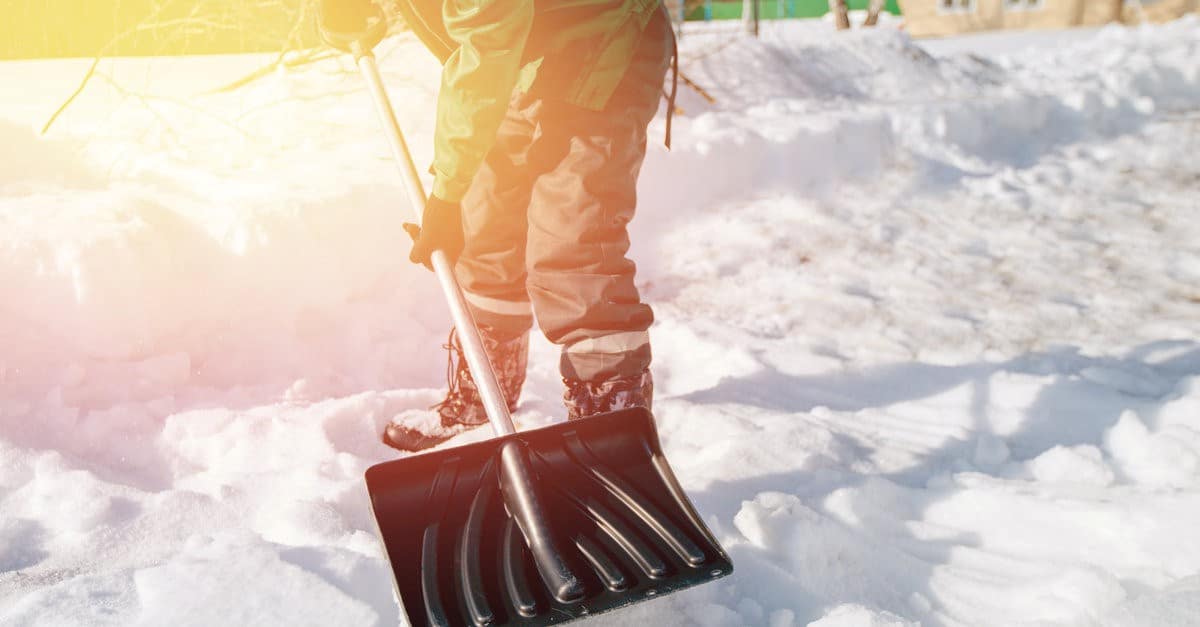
(531, 528)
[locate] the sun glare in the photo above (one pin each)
(153, 27)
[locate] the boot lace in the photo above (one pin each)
(456, 370)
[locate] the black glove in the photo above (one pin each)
(441, 229)
(343, 22)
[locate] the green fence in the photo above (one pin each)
(772, 9)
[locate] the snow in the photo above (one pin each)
(926, 338)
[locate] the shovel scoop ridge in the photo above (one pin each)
(599, 522)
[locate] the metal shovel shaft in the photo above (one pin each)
(520, 494)
(468, 333)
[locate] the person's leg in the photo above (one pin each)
(491, 269)
(580, 282)
(491, 273)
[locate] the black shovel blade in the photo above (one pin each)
(615, 509)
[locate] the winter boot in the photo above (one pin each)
(588, 398)
(462, 409)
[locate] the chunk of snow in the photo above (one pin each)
(1166, 458)
(1078, 464)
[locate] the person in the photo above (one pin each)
(541, 131)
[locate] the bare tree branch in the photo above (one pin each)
(698, 89)
(78, 90)
(166, 31)
(283, 60)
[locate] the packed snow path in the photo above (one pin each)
(927, 339)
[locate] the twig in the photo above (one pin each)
(145, 102)
(78, 90)
(700, 90)
(291, 43)
(112, 43)
(175, 27)
(310, 56)
(146, 99)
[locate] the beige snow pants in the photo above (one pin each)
(545, 221)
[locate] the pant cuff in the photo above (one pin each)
(607, 356)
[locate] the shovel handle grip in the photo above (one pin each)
(468, 333)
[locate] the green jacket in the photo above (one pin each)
(575, 50)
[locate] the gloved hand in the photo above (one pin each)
(441, 229)
(343, 22)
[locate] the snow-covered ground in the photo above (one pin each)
(928, 335)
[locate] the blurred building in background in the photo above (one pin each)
(937, 18)
(1157, 10)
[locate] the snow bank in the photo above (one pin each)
(141, 260)
(192, 214)
(800, 110)
(39, 163)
